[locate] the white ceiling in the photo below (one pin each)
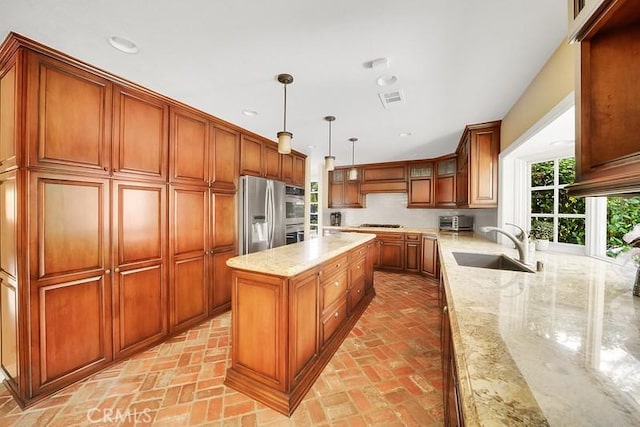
(457, 61)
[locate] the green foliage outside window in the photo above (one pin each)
(622, 215)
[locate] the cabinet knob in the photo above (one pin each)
(359, 290)
(117, 270)
(337, 265)
(115, 170)
(336, 314)
(337, 284)
(444, 309)
(106, 169)
(358, 267)
(107, 271)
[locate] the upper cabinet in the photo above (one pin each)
(477, 168)
(260, 157)
(344, 192)
(10, 82)
(445, 187)
(384, 178)
(607, 93)
(293, 169)
(421, 185)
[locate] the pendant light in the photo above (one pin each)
(284, 137)
(353, 172)
(329, 161)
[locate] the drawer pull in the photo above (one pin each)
(336, 284)
(117, 270)
(337, 265)
(359, 290)
(107, 271)
(336, 314)
(358, 267)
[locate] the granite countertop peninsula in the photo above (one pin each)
(290, 260)
(421, 230)
(559, 347)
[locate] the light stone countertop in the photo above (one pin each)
(290, 260)
(560, 347)
(421, 230)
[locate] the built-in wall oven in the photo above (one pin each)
(294, 208)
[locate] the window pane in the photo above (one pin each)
(314, 186)
(542, 174)
(535, 221)
(314, 197)
(566, 170)
(570, 204)
(622, 215)
(571, 230)
(314, 208)
(542, 201)
(313, 220)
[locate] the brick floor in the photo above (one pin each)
(386, 373)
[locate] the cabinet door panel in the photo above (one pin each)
(392, 255)
(412, 257)
(484, 168)
(287, 168)
(140, 134)
(73, 331)
(298, 170)
(139, 213)
(251, 156)
(224, 220)
(8, 223)
(139, 307)
(189, 148)
(189, 220)
(68, 116)
(225, 158)
(9, 98)
(446, 191)
(189, 293)
(70, 223)
(221, 283)
(9, 328)
(429, 256)
(272, 165)
(304, 323)
(420, 193)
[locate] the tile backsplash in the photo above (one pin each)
(391, 208)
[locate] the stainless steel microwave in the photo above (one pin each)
(456, 223)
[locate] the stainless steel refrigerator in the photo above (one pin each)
(262, 214)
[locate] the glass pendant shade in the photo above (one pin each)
(284, 137)
(329, 163)
(353, 174)
(284, 142)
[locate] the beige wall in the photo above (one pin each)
(553, 83)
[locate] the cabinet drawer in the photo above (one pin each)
(333, 288)
(391, 236)
(332, 320)
(412, 237)
(333, 266)
(356, 292)
(357, 253)
(357, 269)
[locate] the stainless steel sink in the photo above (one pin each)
(495, 262)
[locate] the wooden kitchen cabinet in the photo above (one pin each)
(607, 151)
(391, 251)
(445, 188)
(286, 329)
(429, 256)
(139, 258)
(452, 407)
(117, 216)
(421, 185)
(388, 177)
(202, 152)
(140, 135)
(260, 158)
(70, 216)
(10, 105)
(343, 192)
(293, 169)
(412, 252)
(477, 170)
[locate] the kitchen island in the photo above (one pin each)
(291, 308)
(556, 347)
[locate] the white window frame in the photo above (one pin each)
(317, 214)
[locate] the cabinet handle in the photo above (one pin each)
(337, 284)
(106, 169)
(444, 309)
(358, 267)
(117, 270)
(359, 290)
(337, 265)
(107, 271)
(115, 170)
(336, 314)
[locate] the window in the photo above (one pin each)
(551, 204)
(313, 209)
(622, 216)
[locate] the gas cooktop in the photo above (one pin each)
(380, 226)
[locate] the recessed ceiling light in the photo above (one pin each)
(405, 134)
(387, 80)
(249, 112)
(122, 44)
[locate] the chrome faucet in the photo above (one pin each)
(521, 241)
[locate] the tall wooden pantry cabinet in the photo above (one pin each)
(117, 216)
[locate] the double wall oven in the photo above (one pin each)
(294, 207)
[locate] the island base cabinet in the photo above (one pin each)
(282, 336)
